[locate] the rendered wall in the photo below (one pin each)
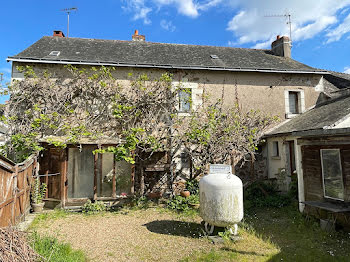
(252, 90)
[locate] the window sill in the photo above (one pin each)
(289, 115)
(276, 157)
(184, 114)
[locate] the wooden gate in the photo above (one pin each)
(15, 182)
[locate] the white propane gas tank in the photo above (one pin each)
(221, 197)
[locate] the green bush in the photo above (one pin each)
(192, 185)
(93, 208)
(52, 250)
(293, 190)
(178, 203)
(193, 199)
(261, 194)
(140, 202)
(182, 204)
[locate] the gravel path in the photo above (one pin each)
(145, 235)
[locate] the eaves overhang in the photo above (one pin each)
(164, 66)
(312, 133)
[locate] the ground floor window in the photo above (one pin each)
(113, 178)
(275, 149)
(332, 176)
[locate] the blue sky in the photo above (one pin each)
(320, 29)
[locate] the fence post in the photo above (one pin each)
(47, 184)
(14, 194)
(95, 175)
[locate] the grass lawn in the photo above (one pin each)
(50, 249)
(156, 234)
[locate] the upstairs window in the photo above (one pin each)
(332, 176)
(293, 102)
(185, 99)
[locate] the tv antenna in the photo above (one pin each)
(68, 11)
(288, 16)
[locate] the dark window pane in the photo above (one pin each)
(185, 99)
(293, 103)
(275, 149)
(332, 173)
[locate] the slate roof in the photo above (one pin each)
(322, 116)
(148, 54)
(340, 80)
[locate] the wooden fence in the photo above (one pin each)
(15, 182)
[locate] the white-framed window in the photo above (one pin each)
(332, 176)
(275, 149)
(185, 99)
(189, 96)
(294, 102)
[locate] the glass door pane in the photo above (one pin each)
(81, 172)
(105, 175)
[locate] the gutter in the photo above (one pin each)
(320, 132)
(312, 132)
(67, 62)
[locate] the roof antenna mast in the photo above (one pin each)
(68, 11)
(288, 16)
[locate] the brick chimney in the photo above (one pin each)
(282, 46)
(58, 33)
(137, 37)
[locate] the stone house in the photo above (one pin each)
(266, 80)
(313, 149)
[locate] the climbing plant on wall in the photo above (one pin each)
(75, 104)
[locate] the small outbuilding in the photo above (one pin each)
(315, 147)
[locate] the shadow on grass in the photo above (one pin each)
(297, 238)
(175, 228)
(241, 252)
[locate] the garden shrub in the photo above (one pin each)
(261, 194)
(140, 202)
(192, 185)
(93, 208)
(293, 190)
(183, 204)
(178, 203)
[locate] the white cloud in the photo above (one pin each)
(309, 18)
(185, 7)
(209, 4)
(139, 9)
(167, 25)
(251, 23)
(339, 31)
(347, 70)
(191, 8)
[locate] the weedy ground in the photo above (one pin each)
(157, 234)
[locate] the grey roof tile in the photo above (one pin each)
(158, 54)
(323, 115)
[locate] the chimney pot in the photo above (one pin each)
(58, 33)
(281, 46)
(137, 37)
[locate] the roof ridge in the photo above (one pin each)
(153, 54)
(149, 42)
